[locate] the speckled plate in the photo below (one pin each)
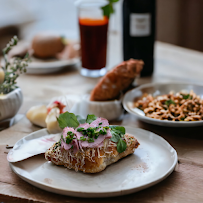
(152, 162)
(156, 89)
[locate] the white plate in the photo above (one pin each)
(38, 66)
(159, 89)
(152, 162)
(46, 66)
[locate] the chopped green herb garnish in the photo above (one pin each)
(186, 96)
(57, 145)
(62, 138)
(90, 129)
(70, 133)
(169, 102)
(103, 132)
(92, 132)
(182, 118)
(90, 140)
(100, 123)
(69, 137)
(72, 147)
(96, 135)
(83, 138)
(80, 129)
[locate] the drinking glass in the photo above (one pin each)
(93, 37)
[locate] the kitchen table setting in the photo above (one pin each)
(76, 129)
(173, 64)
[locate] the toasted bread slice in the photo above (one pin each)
(115, 81)
(91, 160)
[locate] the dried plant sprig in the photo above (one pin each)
(12, 70)
(8, 47)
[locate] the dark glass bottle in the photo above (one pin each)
(139, 32)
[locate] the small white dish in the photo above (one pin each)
(111, 110)
(152, 162)
(159, 89)
(81, 105)
(10, 104)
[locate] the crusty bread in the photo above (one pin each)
(91, 160)
(116, 80)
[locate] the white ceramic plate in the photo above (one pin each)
(159, 89)
(152, 162)
(38, 66)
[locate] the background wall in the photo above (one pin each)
(180, 22)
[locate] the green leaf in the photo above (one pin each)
(119, 128)
(169, 102)
(117, 132)
(67, 120)
(115, 136)
(121, 146)
(108, 9)
(90, 118)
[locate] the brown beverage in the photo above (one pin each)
(93, 36)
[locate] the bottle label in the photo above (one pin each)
(140, 24)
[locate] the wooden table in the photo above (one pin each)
(172, 64)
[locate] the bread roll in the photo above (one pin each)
(47, 45)
(37, 115)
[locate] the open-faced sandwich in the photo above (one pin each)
(89, 145)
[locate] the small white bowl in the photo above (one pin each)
(10, 104)
(111, 110)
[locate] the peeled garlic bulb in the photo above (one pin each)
(37, 115)
(51, 121)
(2, 75)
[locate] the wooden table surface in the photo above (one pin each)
(172, 64)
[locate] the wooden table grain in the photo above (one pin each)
(172, 64)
